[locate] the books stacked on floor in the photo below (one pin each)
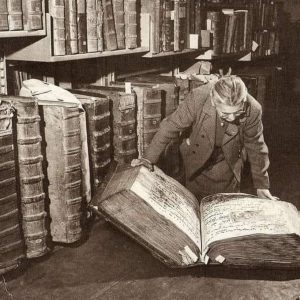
(82, 26)
(21, 15)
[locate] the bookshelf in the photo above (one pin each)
(27, 33)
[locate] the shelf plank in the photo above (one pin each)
(172, 53)
(22, 33)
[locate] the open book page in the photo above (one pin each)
(170, 199)
(226, 216)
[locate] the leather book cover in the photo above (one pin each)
(3, 15)
(110, 36)
(81, 26)
(11, 243)
(157, 26)
(119, 16)
(217, 20)
(57, 12)
(99, 9)
(98, 126)
(91, 25)
(31, 176)
(63, 160)
(15, 14)
(32, 14)
(168, 26)
(71, 27)
(131, 31)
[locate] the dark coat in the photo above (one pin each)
(198, 113)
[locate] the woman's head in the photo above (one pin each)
(229, 96)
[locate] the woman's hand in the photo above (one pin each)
(142, 162)
(265, 193)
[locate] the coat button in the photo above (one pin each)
(194, 152)
(197, 145)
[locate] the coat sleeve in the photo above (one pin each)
(169, 128)
(256, 148)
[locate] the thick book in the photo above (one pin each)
(131, 30)
(109, 29)
(91, 25)
(31, 176)
(64, 174)
(99, 10)
(81, 26)
(199, 18)
(156, 27)
(57, 12)
(217, 22)
(123, 121)
(32, 15)
(71, 27)
(12, 248)
(119, 16)
(228, 229)
(180, 25)
(168, 26)
(98, 127)
(3, 15)
(15, 14)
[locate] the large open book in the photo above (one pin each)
(233, 229)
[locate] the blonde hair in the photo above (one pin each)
(229, 90)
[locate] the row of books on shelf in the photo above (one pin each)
(81, 26)
(21, 15)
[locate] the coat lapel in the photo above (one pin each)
(209, 121)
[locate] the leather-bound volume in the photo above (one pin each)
(167, 219)
(11, 245)
(91, 25)
(15, 14)
(130, 7)
(180, 25)
(99, 10)
(62, 149)
(3, 15)
(156, 27)
(57, 12)
(71, 27)
(217, 21)
(168, 26)
(98, 127)
(81, 26)
(31, 176)
(119, 16)
(110, 36)
(32, 15)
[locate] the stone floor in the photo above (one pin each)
(108, 265)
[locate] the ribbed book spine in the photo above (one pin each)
(3, 15)
(124, 128)
(156, 28)
(81, 26)
(71, 27)
(11, 244)
(57, 11)
(119, 16)
(64, 172)
(32, 14)
(91, 25)
(100, 17)
(168, 25)
(98, 127)
(15, 15)
(31, 176)
(130, 23)
(110, 37)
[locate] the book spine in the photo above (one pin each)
(3, 77)
(3, 15)
(168, 24)
(176, 25)
(119, 15)
(156, 28)
(11, 244)
(192, 10)
(231, 30)
(57, 11)
(99, 9)
(217, 27)
(124, 128)
(91, 25)
(110, 37)
(64, 172)
(81, 26)
(71, 27)
(183, 24)
(31, 177)
(130, 23)
(15, 15)
(33, 15)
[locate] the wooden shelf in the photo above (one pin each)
(172, 53)
(40, 50)
(208, 55)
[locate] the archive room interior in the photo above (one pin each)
(149, 149)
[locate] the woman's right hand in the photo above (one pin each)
(142, 162)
